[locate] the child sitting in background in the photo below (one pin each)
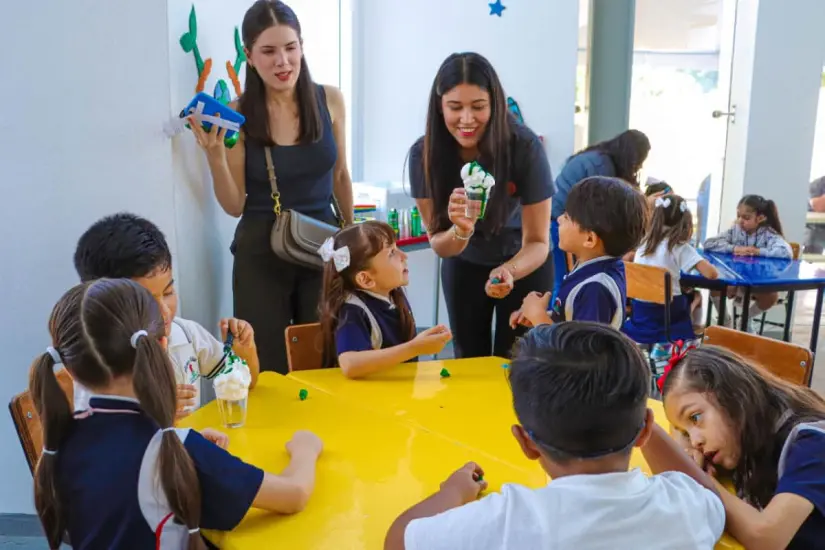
(365, 317)
(764, 434)
(605, 219)
(128, 246)
(119, 475)
(580, 394)
(756, 232)
(667, 245)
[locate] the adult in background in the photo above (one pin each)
(468, 120)
(815, 233)
(303, 125)
(620, 157)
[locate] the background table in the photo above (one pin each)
(372, 469)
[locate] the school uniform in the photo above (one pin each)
(802, 472)
(646, 324)
(194, 353)
(369, 321)
(601, 511)
(596, 290)
(107, 468)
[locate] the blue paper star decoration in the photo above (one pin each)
(496, 8)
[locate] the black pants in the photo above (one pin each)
(471, 310)
(270, 293)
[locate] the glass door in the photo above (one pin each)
(680, 97)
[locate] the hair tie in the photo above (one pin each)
(683, 206)
(340, 257)
(55, 355)
(136, 336)
(676, 355)
(49, 452)
(663, 203)
(195, 530)
(169, 429)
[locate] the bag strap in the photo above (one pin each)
(273, 180)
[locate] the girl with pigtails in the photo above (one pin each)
(366, 320)
(119, 474)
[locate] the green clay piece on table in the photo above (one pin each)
(302, 395)
(444, 373)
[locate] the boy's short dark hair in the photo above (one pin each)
(612, 209)
(122, 245)
(580, 389)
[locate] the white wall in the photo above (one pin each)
(777, 67)
(81, 138)
(398, 47)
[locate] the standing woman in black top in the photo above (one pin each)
(468, 120)
(303, 123)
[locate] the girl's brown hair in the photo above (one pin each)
(364, 240)
(92, 327)
(673, 222)
(760, 407)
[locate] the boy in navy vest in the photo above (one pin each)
(605, 219)
(127, 246)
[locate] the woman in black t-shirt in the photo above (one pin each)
(468, 120)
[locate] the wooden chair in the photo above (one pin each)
(27, 421)
(650, 284)
(790, 362)
(783, 301)
(304, 347)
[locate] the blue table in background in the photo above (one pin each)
(756, 274)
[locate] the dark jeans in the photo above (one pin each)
(471, 310)
(270, 293)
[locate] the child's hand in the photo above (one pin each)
(218, 438)
(186, 400)
(534, 307)
(432, 340)
(701, 461)
(517, 318)
(504, 285)
(305, 443)
(464, 483)
(244, 336)
(746, 251)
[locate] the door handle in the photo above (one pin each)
(732, 114)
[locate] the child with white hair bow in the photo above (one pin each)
(667, 245)
(366, 320)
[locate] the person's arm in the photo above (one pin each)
(289, 491)
(462, 487)
(451, 242)
(817, 193)
(226, 166)
(663, 454)
(341, 182)
(688, 258)
(770, 529)
(720, 243)
(358, 364)
(706, 270)
(777, 247)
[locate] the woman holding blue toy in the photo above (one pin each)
(300, 126)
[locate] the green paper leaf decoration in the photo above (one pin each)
(239, 46)
(187, 43)
(193, 24)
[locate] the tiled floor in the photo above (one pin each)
(22, 533)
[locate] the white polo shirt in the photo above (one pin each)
(194, 353)
(682, 259)
(625, 510)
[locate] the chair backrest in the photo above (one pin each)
(27, 421)
(795, 248)
(648, 283)
(304, 347)
(790, 362)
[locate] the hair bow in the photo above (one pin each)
(683, 206)
(340, 257)
(677, 353)
(664, 203)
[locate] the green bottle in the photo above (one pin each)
(415, 222)
(392, 220)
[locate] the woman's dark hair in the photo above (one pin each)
(628, 151)
(658, 187)
(91, 328)
(761, 408)
(669, 220)
(252, 104)
(581, 389)
(364, 240)
(764, 207)
(441, 152)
